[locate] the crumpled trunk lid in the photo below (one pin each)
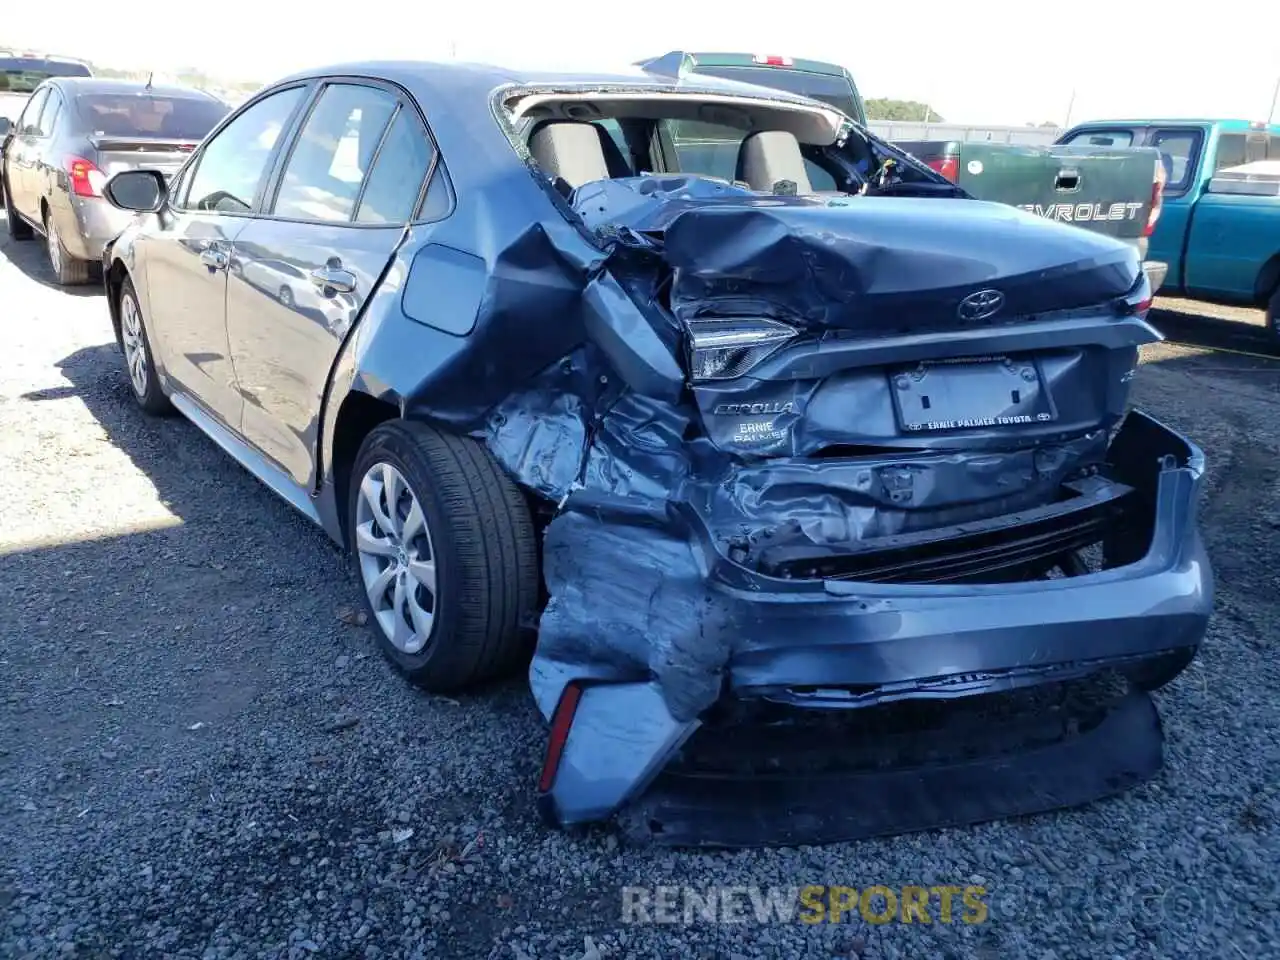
(864, 265)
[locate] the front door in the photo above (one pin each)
(189, 255)
(20, 156)
(302, 271)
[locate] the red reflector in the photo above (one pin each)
(772, 60)
(86, 179)
(561, 721)
(949, 167)
(1157, 199)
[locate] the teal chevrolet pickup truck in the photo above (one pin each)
(1219, 229)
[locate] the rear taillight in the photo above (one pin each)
(949, 167)
(772, 60)
(1138, 301)
(86, 179)
(1157, 199)
(728, 347)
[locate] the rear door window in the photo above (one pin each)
(135, 115)
(327, 165)
(1178, 149)
(403, 160)
(232, 165)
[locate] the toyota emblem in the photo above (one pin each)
(980, 305)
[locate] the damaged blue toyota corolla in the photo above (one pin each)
(748, 418)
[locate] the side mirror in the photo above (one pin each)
(141, 191)
(6, 125)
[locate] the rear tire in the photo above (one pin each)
(452, 587)
(1273, 314)
(67, 270)
(19, 229)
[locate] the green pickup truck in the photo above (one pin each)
(1109, 190)
(1219, 233)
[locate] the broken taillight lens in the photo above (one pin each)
(728, 347)
(1157, 198)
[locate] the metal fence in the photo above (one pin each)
(909, 130)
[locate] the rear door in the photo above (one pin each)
(301, 272)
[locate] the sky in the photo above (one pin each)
(992, 62)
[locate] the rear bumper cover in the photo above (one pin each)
(839, 644)
(96, 224)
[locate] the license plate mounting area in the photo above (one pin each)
(969, 393)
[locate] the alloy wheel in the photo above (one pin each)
(397, 559)
(55, 247)
(135, 352)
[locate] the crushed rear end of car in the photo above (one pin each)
(829, 465)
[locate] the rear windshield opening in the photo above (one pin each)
(766, 145)
(142, 115)
(24, 74)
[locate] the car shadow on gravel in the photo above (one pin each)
(1200, 329)
(194, 705)
(30, 257)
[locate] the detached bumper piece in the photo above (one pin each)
(973, 770)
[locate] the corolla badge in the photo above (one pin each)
(980, 305)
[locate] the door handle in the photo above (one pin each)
(334, 278)
(214, 259)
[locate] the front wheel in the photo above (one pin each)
(445, 550)
(1273, 314)
(138, 359)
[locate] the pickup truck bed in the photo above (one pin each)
(1111, 191)
(1219, 229)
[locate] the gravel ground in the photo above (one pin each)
(202, 756)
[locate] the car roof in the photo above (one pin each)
(477, 147)
(91, 85)
(441, 76)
